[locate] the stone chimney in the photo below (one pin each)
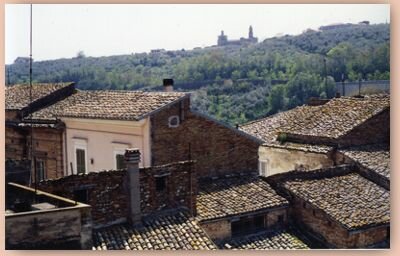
(168, 85)
(132, 159)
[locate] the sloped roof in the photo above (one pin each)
(374, 157)
(279, 239)
(337, 117)
(229, 196)
(267, 130)
(331, 120)
(177, 231)
(108, 104)
(17, 97)
(351, 200)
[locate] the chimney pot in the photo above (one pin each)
(132, 155)
(168, 84)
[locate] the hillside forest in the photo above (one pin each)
(234, 84)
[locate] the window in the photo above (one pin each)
(173, 121)
(80, 160)
(314, 213)
(120, 161)
(81, 195)
(40, 170)
(160, 184)
(80, 155)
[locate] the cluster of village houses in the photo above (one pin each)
(139, 170)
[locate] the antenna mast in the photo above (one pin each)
(31, 100)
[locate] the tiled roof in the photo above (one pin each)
(266, 240)
(267, 130)
(235, 195)
(351, 200)
(374, 157)
(337, 117)
(331, 120)
(169, 232)
(117, 105)
(17, 96)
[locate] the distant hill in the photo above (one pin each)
(234, 83)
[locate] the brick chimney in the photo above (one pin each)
(132, 159)
(168, 85)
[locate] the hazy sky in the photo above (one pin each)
(60, 31)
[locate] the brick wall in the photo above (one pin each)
(216, 148)
(48, 146)
(107, 191)
(320, 226)
(15, 140)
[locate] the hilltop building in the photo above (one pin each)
(223, 39)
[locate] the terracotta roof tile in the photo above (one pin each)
(235, 195)
(337, 117)
(276, 240)
(175, 231)
(332, 120)
(17, 96)
(374, 157)
(117, 105)
(351, 200)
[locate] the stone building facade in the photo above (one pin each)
(161, 187)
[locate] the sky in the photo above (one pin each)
(62, 30)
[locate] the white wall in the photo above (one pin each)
(101, 138)
(279, 160)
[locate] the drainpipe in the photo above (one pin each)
(132, 159)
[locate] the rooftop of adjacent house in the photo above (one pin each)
(175, 231)
(267, 130)
(333, 119)
(17, 96)
(374, 157)
(351, 200)
(235, 195)
(276, 240)
(107, 104)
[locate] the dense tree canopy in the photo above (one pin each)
(235, 83)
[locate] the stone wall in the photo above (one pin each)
(107, 191)
(67, 226)
(218, 230)
(280, 160)
(216, 148)
(318, 224)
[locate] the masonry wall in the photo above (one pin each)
(331, 233)
(107, 191)
(220, 229)
(47, 143)
(279, 160)
(216, 149)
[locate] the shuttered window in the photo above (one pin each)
(120, 160)
(80, 161)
